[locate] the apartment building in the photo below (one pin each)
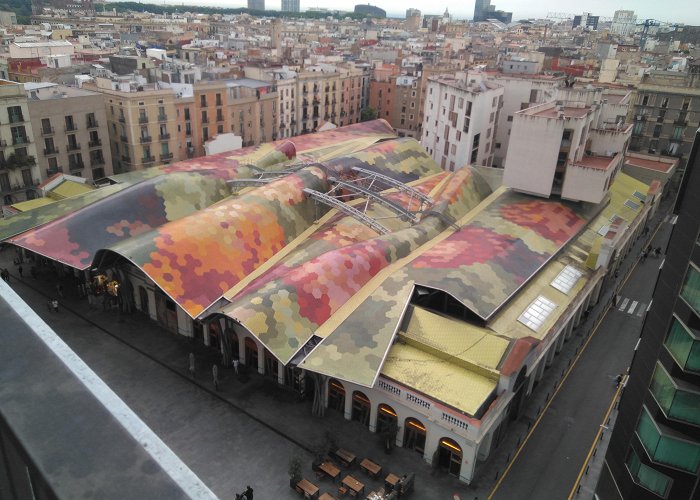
(245, 107)
(519, 92)
(666, 113)
(70, 125)
(578, 144)
(654, 450)
(141, 122)
(318, 94)
(461, 113)
(19, 173)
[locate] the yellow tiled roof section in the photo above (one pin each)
(342, 149)
(66, 189)
(622, 189)
(506, 321)
(458, 387)
(455, 339)
(23, 206)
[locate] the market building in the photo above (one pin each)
(350, 267)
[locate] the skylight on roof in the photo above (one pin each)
(613, 217)
(632, 205)
(604, 229)
(536, 313)
(639, 195)
(566, 279)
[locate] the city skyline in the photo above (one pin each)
(644, 9)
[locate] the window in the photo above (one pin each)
(675, 402)
(15, 114)
(187, 113)
(691, 289)
(46, 126)
(664, 102)
(684, 346)
(657, 131)
(646, 476)
(663, 448)
(510, 118)
(678, 133)
(203, 100)
(70, 124)
(536, 313)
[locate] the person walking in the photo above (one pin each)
(248, 492)
(235, 365)
(5, 275)
(54, 305)
(215, 376)
(192, 364)
(20, 270)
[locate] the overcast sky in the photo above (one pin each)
(685, 11)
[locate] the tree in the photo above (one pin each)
(368, 114)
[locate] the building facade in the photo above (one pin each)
(460, 120)
(666, 113)
(290, 6)
(19, 172)
(141, 123)
(72, 125)
(654, 451)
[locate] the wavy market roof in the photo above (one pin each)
(494, 252)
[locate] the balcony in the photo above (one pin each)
(71, 127)
(76, 165)
(166, 156)
(126, 159)
(205, 119)
(16, 118)
(143, 119)
(47, 131)
(50, 151)
(92, 124)
(20, 140)
(94, 144)
(145, 139)
(122, 119)
(97, 162)
(73, 147)
(148, 159)
(219, 118)
(164, 137)
(123, 138)
(666, 446)
(162, 118)
(676, 398)
(53, 171)
(14, 161)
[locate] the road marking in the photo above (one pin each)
(624, 304)
(597, 437)
(632, 307)
(641, 310)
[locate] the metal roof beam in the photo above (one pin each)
(376, 197)
(347, 209)
(395, 184)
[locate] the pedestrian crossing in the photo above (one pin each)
(631, 307)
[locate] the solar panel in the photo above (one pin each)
(632, 205)
(566, 279)
(536, 313)
(639, 195)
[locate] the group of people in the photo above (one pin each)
(5, 275)
(650, 251)
(246, 495)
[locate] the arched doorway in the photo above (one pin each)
(143, 300)
(361, 408)
(270, 365)
(450, 456)
(251, 353)
(414, 435)
(387, 421)
(336, 395)
(214, 340)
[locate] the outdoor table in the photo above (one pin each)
(326, 496)
(346, 457)
(330, 470)
(307, 488)
(370, 467)
(353, 484)
(391, 481)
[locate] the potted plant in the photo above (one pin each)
(294, 471)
